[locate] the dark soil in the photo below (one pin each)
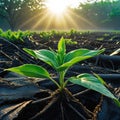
(39, 102)
(12, 55)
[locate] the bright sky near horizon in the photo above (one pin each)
(75, 3)
(59, 6)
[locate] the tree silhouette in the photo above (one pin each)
(17, 11)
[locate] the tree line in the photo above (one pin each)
(26, 14)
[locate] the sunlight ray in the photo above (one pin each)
(30, 20)
(71, 21)
(83, 19)
(41, 19)
(49, 23)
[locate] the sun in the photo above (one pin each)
(58, 14)
(57, 6)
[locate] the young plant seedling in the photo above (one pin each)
(61, 62)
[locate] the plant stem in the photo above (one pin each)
(61, 79)
(65, 83)
(55, 83)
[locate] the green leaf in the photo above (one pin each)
(31, 52)
(99, 78)
(117, 102)
(47, 56)
(91, 82)
(71, 62)
(76, 56)
(82, 52)
(62, 46)
(61, 51)
(30, 70)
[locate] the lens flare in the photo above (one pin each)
(56, 6)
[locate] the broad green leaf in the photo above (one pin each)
(31, 52)
(30, 70)
(99, 78)
(91, 82)
(81, 52)
(46, 56)
(117, 102)
(76, 56)
(72, 62)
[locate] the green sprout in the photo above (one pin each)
(61, 61)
